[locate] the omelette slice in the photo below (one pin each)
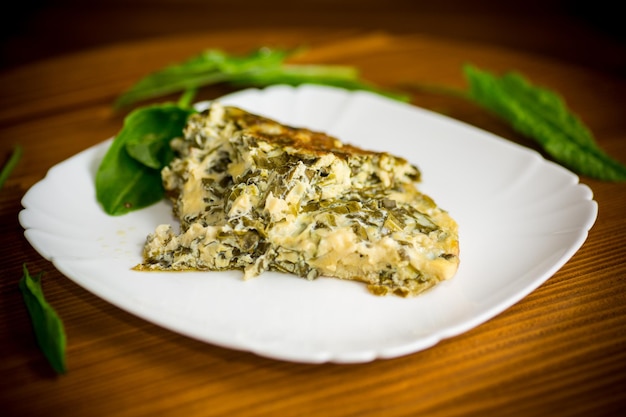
(255, 195)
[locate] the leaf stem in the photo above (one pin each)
(186, 99)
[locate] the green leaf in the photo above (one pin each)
(10, 165)
(262, 67)
(336, 76)
(148, 131)
(543, 116)
(129, 176)
(48, 327)
(149, 149)
(209, 67)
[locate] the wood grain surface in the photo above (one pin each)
(561, 351)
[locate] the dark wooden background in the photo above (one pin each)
(589, 34)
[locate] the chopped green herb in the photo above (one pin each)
(10, 165)
(542, 115)
(48, 327)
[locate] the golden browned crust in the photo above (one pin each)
(305, 141)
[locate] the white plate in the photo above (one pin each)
(521, 218)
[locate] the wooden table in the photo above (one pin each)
(560, 351)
